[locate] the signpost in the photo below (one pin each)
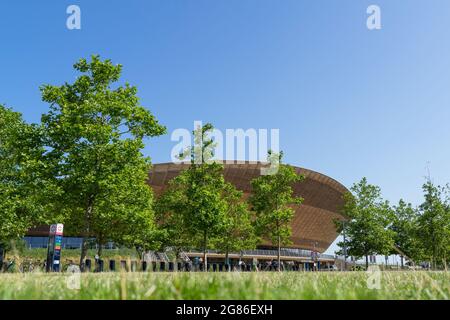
(54, 248)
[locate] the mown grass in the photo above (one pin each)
(233, 285)
(71, 254)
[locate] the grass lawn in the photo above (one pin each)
(72, 254)
(234, 285)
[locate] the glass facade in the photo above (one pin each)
(41, 242)
(67, 243)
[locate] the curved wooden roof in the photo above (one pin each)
(312, 227)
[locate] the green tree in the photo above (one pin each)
(434, 223)
(368, 220)
(129, 219)
(170, 218)
(94, 133)
(404, 226)
(22, 186)
(196, 197)
(272, 198)
(238, 232)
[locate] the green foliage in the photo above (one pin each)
(94, 135)
(170, 217)
(196, 195)
(272, 198)
(238, 231)
(368, 220)
(405, 230)
(434, 223)
(22, 186)
(206, 206)
(199, 206)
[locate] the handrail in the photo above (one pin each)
(297, 253)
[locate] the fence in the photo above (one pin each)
(113, 265)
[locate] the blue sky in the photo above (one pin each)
(349, 102)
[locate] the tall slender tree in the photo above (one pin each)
(368, 220)
(94, 135)
(404, 226)
(170, 218)
(197, 196)
(434, 223)
(238, 232)
(272, 198)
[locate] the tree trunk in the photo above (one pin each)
(84, 249)
(140, 252)
(401, 259)
(205, 261)
(367, 262)
(100, 250)
(279, 253)
(87, 218)
(227, 257)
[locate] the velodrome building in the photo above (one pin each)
(313, 225)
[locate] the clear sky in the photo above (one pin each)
(349, 102)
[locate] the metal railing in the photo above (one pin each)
(184, 256)
(162, 256)
(150, 256)
(296, 253)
